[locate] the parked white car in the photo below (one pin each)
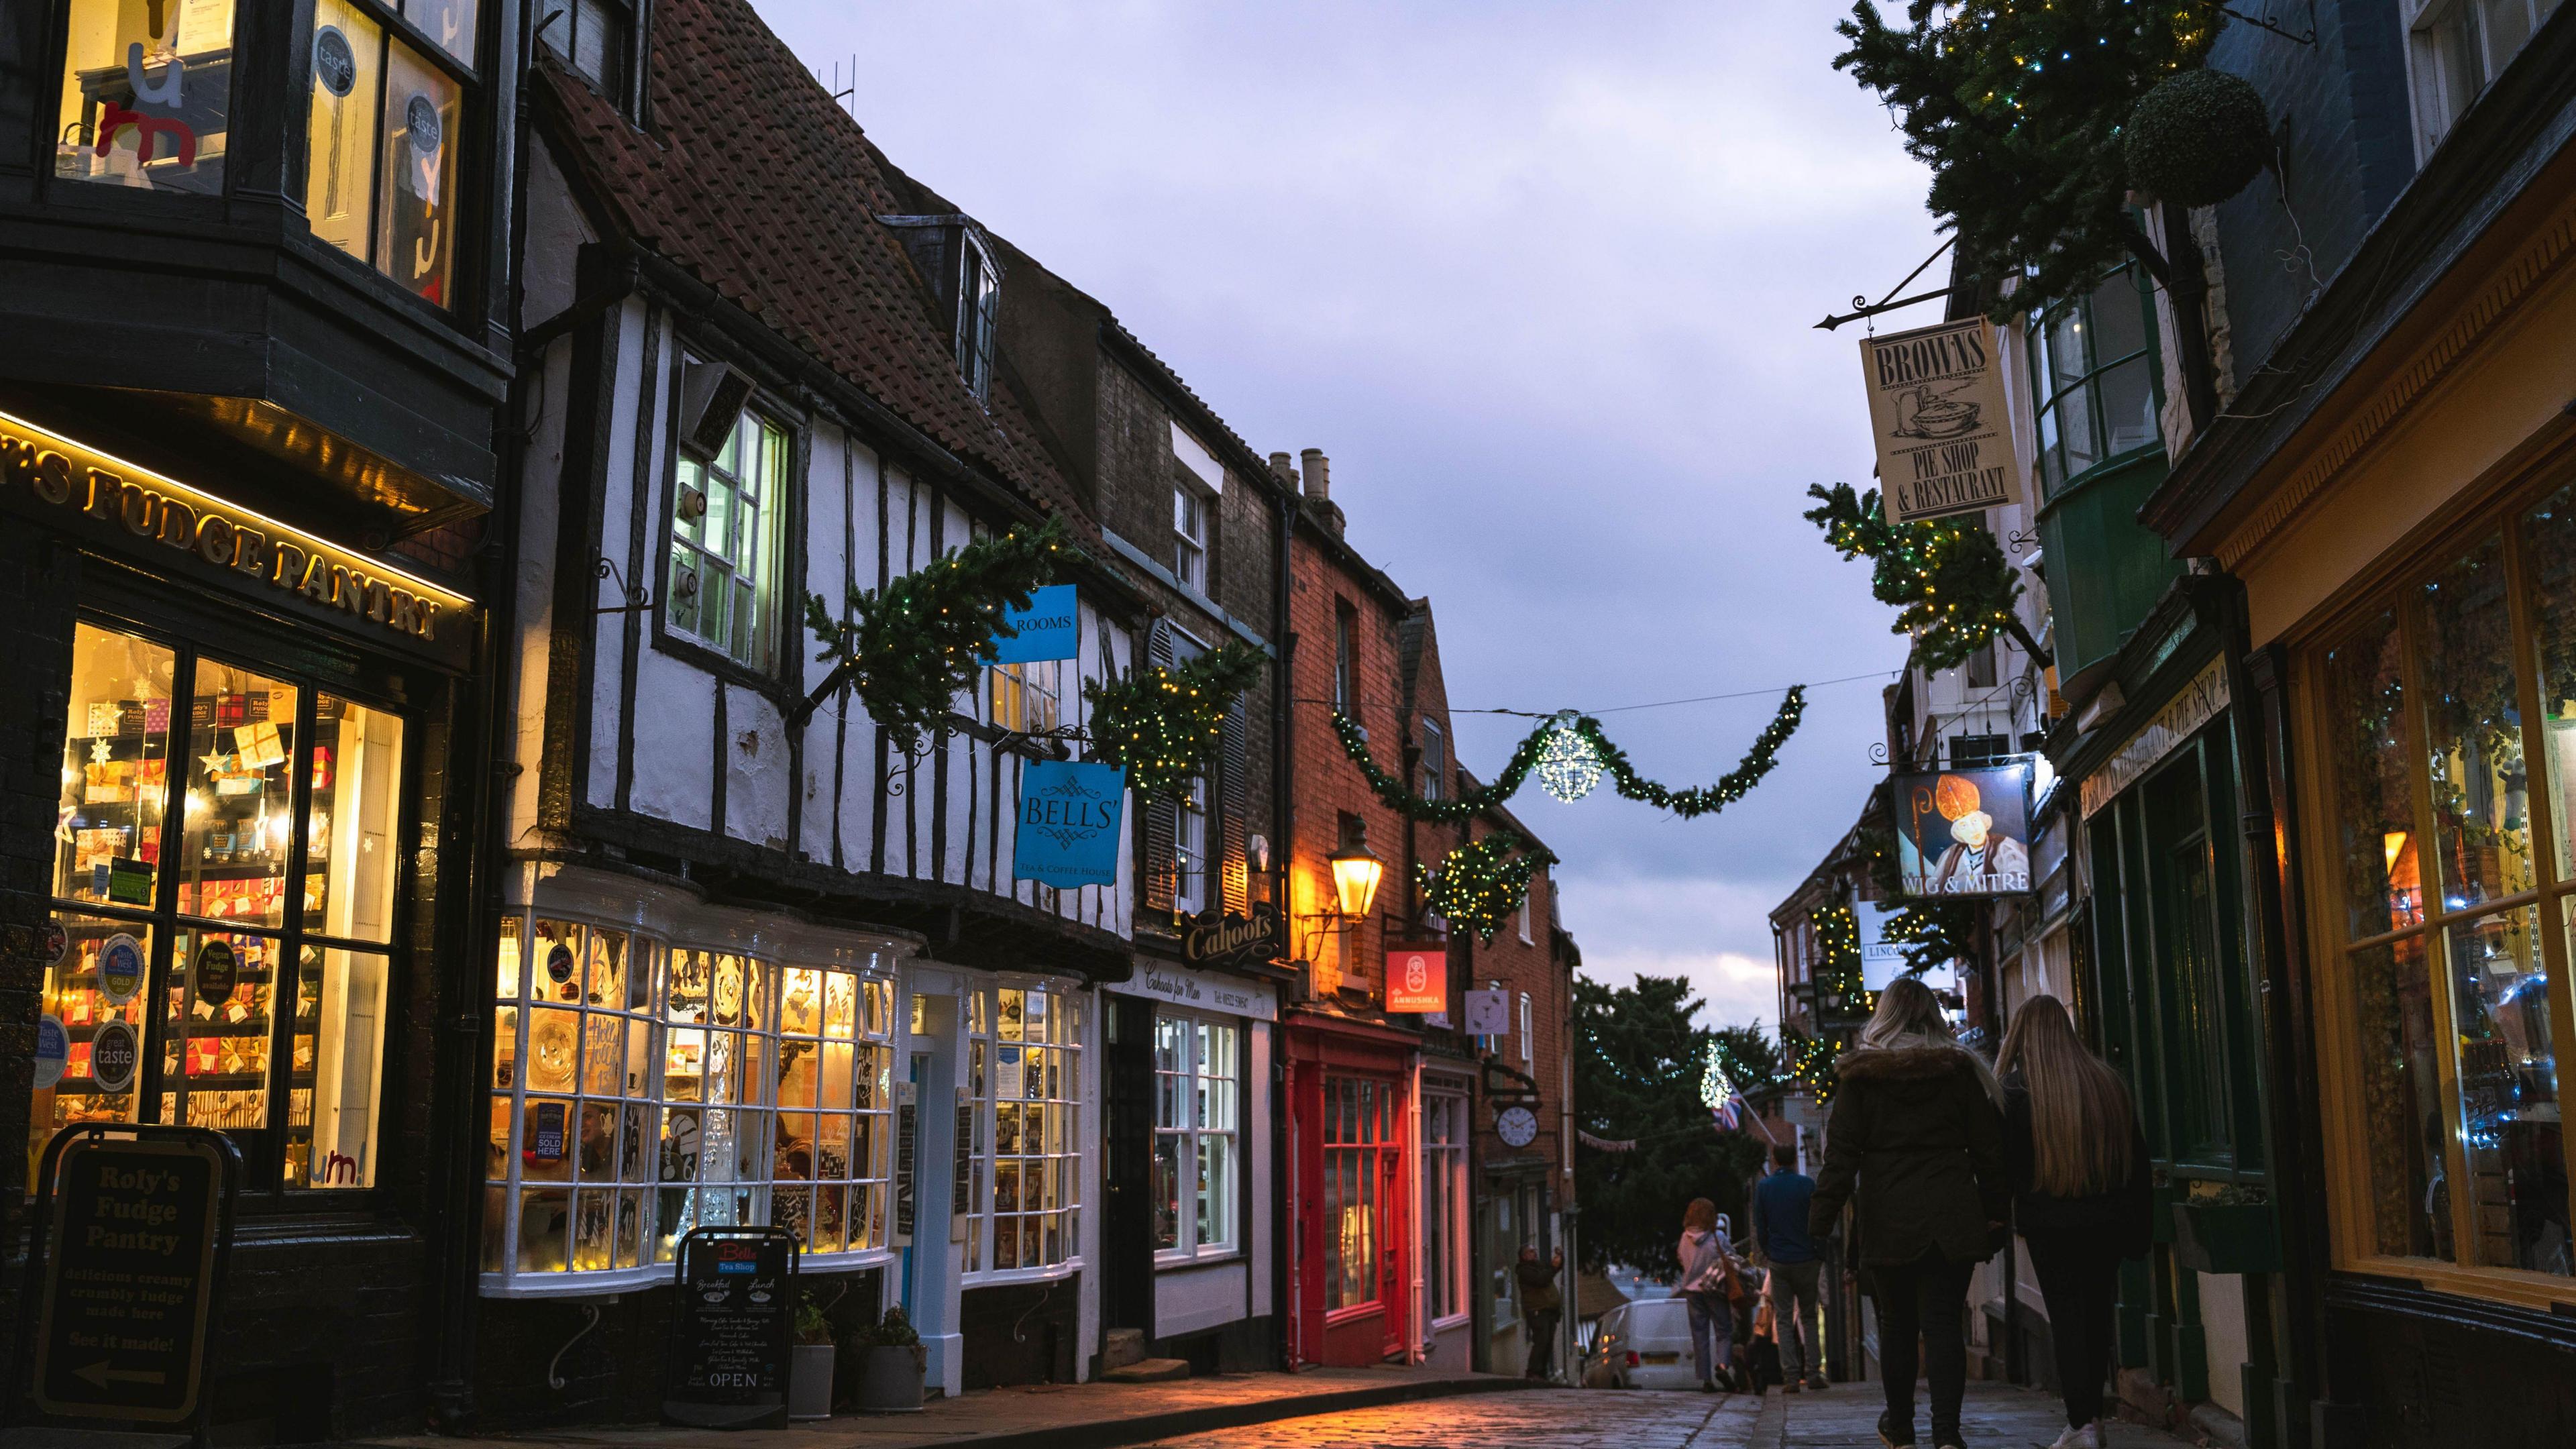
(1642, 1345)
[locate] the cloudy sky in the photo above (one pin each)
(1541, 279)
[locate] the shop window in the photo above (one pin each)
(384, 132)
(1444, 1207)
(1196, 1114)
(250, 894)
(1027, 698)
(1024, 1067)
(2449, 900)
(592, 37)
(640, 1090)
(147, 89)
(1362, 1160)
(2093, 380)
(2454, 48)
(724, 544)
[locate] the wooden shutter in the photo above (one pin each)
(1160, 837)
(1234, 802)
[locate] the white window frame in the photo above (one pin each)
(2451, 58)
(712, 564)
(979, 298)
(1190, 869)
(1435, 761)
(1525, 1027)
(1444, 1179)
(1065, 1037)
(1527, 893)
(1026, 698)
(1198, 1105)
(1190, 510)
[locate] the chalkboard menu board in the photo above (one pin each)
(729, 1337)
(134, 1226)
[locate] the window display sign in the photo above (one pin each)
(1068, 827)
(737, 1287)
(1964, 832)
(1046, 628)
(1417, 977)
(133, 1227)
(1937, 411)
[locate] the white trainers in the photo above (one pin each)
(2088, 1437)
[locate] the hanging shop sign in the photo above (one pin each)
(1489, 1013)
(52, 479)
(737, 1287)
(1937, 410)
(1046, 628)
(1199, 991)
(134, 1224)
(1228, 938)
(1964, 832)
(2180, 719)
(1068, 832)
(1417, 977)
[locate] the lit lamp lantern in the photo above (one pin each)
(1356, 872)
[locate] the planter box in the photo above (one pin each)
(809, 1381)
(2226, 1237)
(890, 1379)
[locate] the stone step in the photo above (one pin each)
(1149, 1371)
(1121, 1347)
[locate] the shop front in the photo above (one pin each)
(1351, 1102)
(244, 887)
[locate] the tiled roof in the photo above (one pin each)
(755, 182)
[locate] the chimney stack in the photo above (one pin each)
(1319, 477)
(1286, 470)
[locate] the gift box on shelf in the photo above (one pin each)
(280, 705)
(321, 767)
(156, 716)
(259, 746)
(204, 1056)
(234, 709)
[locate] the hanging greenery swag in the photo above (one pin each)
(1688, 803)
(1164, 724)
(910, 648)
(1477, 887)
(1948, 579)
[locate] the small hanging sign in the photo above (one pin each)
(1489, 1013)
(1068, 825)
(1046, 628)
(1417, 977)
(1944, 431)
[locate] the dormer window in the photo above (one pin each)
(979, 295)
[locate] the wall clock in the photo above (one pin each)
(1516, 1125)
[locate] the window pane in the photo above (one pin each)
(2508, 1078)
(2119, 318)
(2083, 444)
(449, 22)
(2410, 1199)
(1167, 1190)
(240, 805)
(2128, 406)
(2549, 564)
(146, 84)
(340, 1027)
(340, 166)
(2070, 355)
(215, 1032)
(92, 1007)
(1215, 1191)
(116, 769)
(2473, 723)
(416, 220)
(2367, 746)
(352, 838)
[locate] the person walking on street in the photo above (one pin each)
(1917, 1131)
(1780, 1203)
(1709, 1286)
(1541, 1303)
(2082, 1198)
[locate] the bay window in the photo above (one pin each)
(389, 96)
(1197, 1163)
(1024, 1078)
(2093, 380)
(147, 94)
(227, 926)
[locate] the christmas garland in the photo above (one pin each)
(912, 646)
(1585, 734)
(1947, 578)
(1838, 971)
(1163, 725)
(1811, 1063)
(1475, 887)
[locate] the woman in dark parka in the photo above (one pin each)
(1917, 1128)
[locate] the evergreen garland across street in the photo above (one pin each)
(1164, 724)
(1475, 886)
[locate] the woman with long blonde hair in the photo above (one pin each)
(1916, 1134)
(2081, 1195)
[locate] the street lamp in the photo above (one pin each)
(1356, 872)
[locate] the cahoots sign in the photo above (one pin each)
(47, 476)
(1937, 411)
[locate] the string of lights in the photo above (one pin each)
(1481, 884)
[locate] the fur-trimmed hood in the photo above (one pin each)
(1913, 1063)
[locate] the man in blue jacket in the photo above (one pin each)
(1780, 1231)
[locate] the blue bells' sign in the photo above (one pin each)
(1046, 628)
(1068, 833)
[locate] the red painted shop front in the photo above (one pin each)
(1352, 1164)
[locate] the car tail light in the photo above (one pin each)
(1633, 1360)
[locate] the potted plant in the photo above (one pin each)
(2226, 1230)
(892, 1363)
(809, 1369)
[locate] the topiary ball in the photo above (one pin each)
(2197, 138)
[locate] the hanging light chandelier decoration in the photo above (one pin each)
(1568, 767)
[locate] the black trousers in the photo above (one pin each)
(2080, 1279)
(1925, 1299)
(1542, 1343)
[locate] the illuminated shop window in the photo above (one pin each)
(1024, 1071)
(384, 133)
(1196, 1115)
(147, 86)
(1362, 1161)
(1027, 697)
(274, 843)
(641, 1089)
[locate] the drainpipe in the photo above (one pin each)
(1283, 821)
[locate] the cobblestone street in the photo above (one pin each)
(1997, 1417)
